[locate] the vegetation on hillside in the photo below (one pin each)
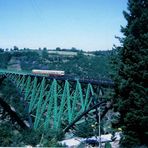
(4, 59)
(94, 65)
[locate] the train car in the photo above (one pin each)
(48, 72)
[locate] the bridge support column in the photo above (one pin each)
(12, 114)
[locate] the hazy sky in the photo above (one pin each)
(84, 24)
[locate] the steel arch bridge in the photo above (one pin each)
(58, 102)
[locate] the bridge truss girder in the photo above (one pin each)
(53, 103)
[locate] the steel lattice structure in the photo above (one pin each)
(54, 102)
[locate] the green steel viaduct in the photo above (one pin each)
(57, 102)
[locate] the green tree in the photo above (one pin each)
(1, 50)
(45, 53)
(58, 48)
(131, 85)
(15, 48)
(4, 59)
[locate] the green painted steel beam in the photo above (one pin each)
(38, 111)
(52, 103)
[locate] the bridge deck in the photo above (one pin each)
(101, 81)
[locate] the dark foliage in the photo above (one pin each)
(4, 59)
(131, 90)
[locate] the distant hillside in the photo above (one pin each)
(14, 63)
(79, 63)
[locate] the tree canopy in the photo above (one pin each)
(131, 80)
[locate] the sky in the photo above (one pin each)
(84, 24)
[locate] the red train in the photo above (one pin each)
(48, 72)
